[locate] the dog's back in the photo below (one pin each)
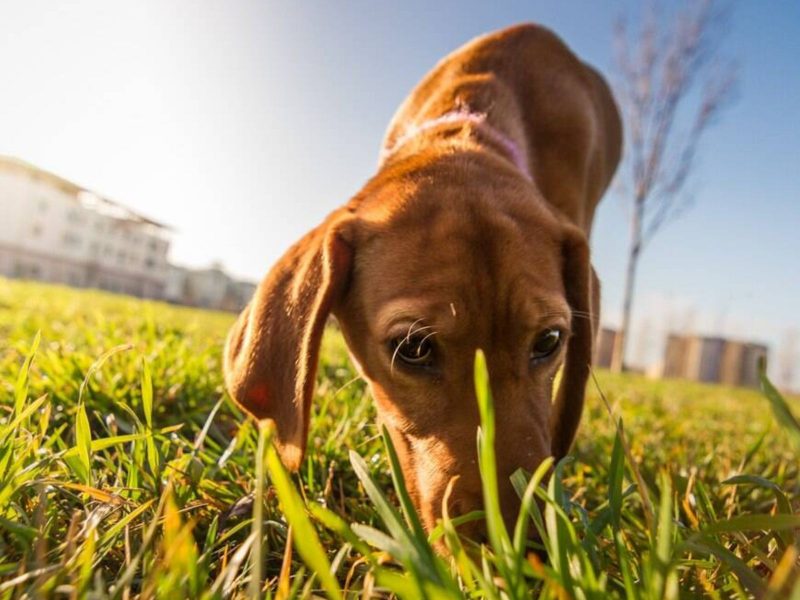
(535, 90)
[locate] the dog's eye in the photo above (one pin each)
(545, 344)
(415, 350)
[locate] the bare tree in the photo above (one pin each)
(671, 86)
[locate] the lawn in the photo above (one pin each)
(126, 471)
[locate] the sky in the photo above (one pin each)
(242, 124)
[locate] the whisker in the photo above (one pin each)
(411, 329)
(394, 356)
(407, 338)
(431, 334)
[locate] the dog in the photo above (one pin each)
(472, 234)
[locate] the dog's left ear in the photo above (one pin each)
(583, 295)
(271, 353)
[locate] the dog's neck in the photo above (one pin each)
(463, 117)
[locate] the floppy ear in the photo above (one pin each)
(271, 353)
(583, 296)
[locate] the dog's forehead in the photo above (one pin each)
(460, 256)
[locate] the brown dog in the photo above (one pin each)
(473, 234)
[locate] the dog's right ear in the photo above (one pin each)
(271, 353)
(583, 295)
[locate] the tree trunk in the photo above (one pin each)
(621, 342)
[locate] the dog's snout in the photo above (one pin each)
(470, 503)
(473, 529)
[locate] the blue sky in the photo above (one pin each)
(243, 123)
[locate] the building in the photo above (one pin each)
(675, 356)
(604, 347)
(54, 230)
(207, 288)
(713, 360)
(704, 359)
(740, 363)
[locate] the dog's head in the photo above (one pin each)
(432, 260)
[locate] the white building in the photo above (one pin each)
(54, 230)
(208, 288)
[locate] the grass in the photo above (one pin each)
(125, 471)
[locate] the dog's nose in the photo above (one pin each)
(464, 504)
(475, 530)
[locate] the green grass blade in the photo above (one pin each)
(748, 578)
(421, 540)
(780, 408)
(20, 417)
(21, 386)
(474, 515)
(147, 394)
(111, 533)
(83, 442)
(754, 480)
(528, 508)
(495, 525)
(507, 559)
(663, 582)
(256, 555)
(782, 502)
(305, 537)
(398, 583)
(414, 553)
(409, 512)
(388, 514)
(778, 522)
(24, 533)
(335, 523)
(153, 456)
(104, 443)
(616, 474)
(557, 525)
(85, 562)
(626, 566)
(379, 539)
(96, 365)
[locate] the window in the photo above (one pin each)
(74, 216)
(71, 239)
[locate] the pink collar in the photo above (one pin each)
(455, 117)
